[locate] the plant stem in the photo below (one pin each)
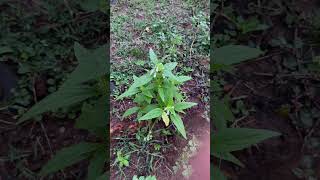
(150, 129)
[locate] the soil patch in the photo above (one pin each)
(26, 147)
(195, 125)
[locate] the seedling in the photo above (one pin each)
(158, 96)
(135, 177)
(122, 160)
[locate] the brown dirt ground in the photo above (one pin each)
(195, 125)
(35, 150)
(274, 158)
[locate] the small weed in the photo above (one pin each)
(122, 160)
(144, 178)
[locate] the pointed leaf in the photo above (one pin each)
(228, 157)
(94, 117)
(161, 94)
(177, 121)
(234, 139)
(149, 108)
(221, 113)
(169, 91)
(168, 74)
(155, 113)
(64, 97)
(92, 64)
(69, 156)
(97, 163)
(183, 105)
(5, 49)
(233, 54)
(182, 79)
(153, 57)
(216, 173)
(130, 111)
(142, 80)
(170, 66)
(129, 92)
(147, 93)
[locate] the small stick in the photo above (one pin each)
(47, 138)
(239, 97)
(238, 120)
(7, 122)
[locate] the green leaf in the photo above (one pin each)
(161, 94)
(125, 162)
(183, 105)
(94, 117)
(151, 178)
(182, 79)
(234, 139)
(227, 156)
(216, 173)
(90, 5)
(97, 163)
(5, 50)
(148, 108)
(92, 64)
(129, 92)
(167, 73)
(142, 80)
(177, 121)
(64, 97)
(69, 156)
(147, 93)
(178, 96)
(169, 90)
(221, 113)
(142, 99)
(130, 111)
(233, 54)
(103, 177)
(170, 66)
(155, 113)
(153, 57)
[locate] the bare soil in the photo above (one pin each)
(277, 157)
(34, 149)
(201, 161)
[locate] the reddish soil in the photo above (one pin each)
(33, 148)
(274, 158)
(195, 125)
(201, 161)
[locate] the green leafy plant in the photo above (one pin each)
(158, 96)
(135, 177)
(250, 25)
(87, 82)
(225, 140)
(41, 54)
(122, 160)
(201, 23)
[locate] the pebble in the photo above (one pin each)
(62, 130)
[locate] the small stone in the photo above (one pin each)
(62, 130)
